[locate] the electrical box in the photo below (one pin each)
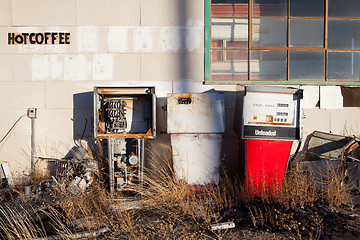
(271, 113)
(31, 112)
(124, 112)
(125, 117)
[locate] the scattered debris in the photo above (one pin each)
(223, 225)
(5, 175)
(83, 223)
(75, 172)
(125, 205)
(82, 235)
(337, 155)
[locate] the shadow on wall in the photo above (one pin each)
(184, 57)
(238, 115)
(83, 118)
(158, 150)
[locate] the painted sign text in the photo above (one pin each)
(39, 38)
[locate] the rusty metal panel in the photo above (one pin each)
(196, 113)
(124, 112)
(329, 155)
(325, 146)
(196, 157)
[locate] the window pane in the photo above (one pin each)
(344, 66)
(228, 1)
(233, 32)
(306, 33)
(269, 32)
(269, 8)
(344, 8)
(229, 65)
(307, 65)
(307, 8)
(268, 65)
(229, 8)
(344, 34)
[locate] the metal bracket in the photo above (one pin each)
(31, 112)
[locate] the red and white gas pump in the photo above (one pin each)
(271, 122)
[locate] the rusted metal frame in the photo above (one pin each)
(230, 48)
(227, 17)
(282, 82)
(290, 48)
(249, 36)
(301, 49)
(307, 18)
(349, 147)
(343, 50)
(147, 135)
(289, 17)
(288, 43)
(326, 31)
(281, 49)
(126, 90)
(338, 18)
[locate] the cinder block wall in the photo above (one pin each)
(112, 43)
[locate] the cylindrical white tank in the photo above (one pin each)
(196, 122)
(196, 157)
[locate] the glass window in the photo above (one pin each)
(307, 8)
(306, 33)
(307, 65)
(270, 8)
(268, 65)
(228, 1)
(344, 8)
(230, 31)
(229, 8)
(291, 40)
(229, 65)
(344, 66)
(344, 34)
(269, 32)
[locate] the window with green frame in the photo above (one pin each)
(282, 42)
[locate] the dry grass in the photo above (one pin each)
(19, 223)
(170, 209)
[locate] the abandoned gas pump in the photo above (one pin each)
(124, 117)
(271, 122)
(196, 122)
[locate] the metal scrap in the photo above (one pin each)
(5, 175)
(83, 235)
(223, 225)
(338, 155)
(75, 172)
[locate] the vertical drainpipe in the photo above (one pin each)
(32, 145)
(31, 113)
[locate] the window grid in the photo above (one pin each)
(286, 48)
